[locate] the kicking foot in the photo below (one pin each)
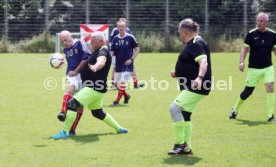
(233, 114)
(61, 116)
(60, 135)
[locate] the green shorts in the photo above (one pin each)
(188, 100)
(255, 75)
(90, 98)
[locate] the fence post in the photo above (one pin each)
(245, 17)
(167, 31)
(6, 27)
(127, 11)
(46, 7)
(87, 14)
(206, 17)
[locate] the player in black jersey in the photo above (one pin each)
(260, 42)
(193, 71)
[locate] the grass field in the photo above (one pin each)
(28, 117)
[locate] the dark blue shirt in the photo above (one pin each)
(74, 55)
(115, 32)
(123, 50)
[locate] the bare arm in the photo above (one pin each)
(203, 64)
(135, 53)
(101, 60)
(243, 54)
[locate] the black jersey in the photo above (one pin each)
(97, 80)
(187, 67)
(261, 44)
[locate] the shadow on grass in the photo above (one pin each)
(251, 123)
(182, 159)
(90, 137)
(115, 106)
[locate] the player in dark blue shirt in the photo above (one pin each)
(114, 33)
(260, 41)
(125, 49)
(193, 71)
(76, 53)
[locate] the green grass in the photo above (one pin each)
(28, 118)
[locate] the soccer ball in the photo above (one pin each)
(56, 60)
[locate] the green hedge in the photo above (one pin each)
(148, 42)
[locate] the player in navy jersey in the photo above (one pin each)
(260, 41)
(193, 71)
(94, 80)
(76, 53)
(114, 33)
(125, 48)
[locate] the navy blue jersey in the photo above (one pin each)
(115, 32)
(187, 66)
(261, 45)
(74, 55)
(123, 50)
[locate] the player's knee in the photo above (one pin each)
(186, 115)
(246, 92)
(175, 112)
(99, 113)
(73, 104)
(270, 88)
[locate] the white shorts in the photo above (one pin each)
(113, 61)
(75, 81)
(122, 76)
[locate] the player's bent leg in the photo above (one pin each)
(178, 127)
(246, 92)
(66, 97)
(76, 122)
(243, 96)
(98, 113)
(109, 120)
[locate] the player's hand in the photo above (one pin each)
(72, 73)
(173, 73)
(241, 67)
(197, 83)
(92, 68)
(128, 62)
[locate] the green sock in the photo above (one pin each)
(270, 103)
(188, 132)
(69, 120)
(238, 104)
(179, 132)
(109, 120)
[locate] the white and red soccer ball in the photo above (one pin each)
(56, 60)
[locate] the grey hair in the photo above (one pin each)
(189, 25)
(263, 14)
(123, 19)
(99, 35)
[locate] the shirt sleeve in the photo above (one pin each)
(85, 52)
(112, 46)
(134, 42)
(198, 50)
(274, 45)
